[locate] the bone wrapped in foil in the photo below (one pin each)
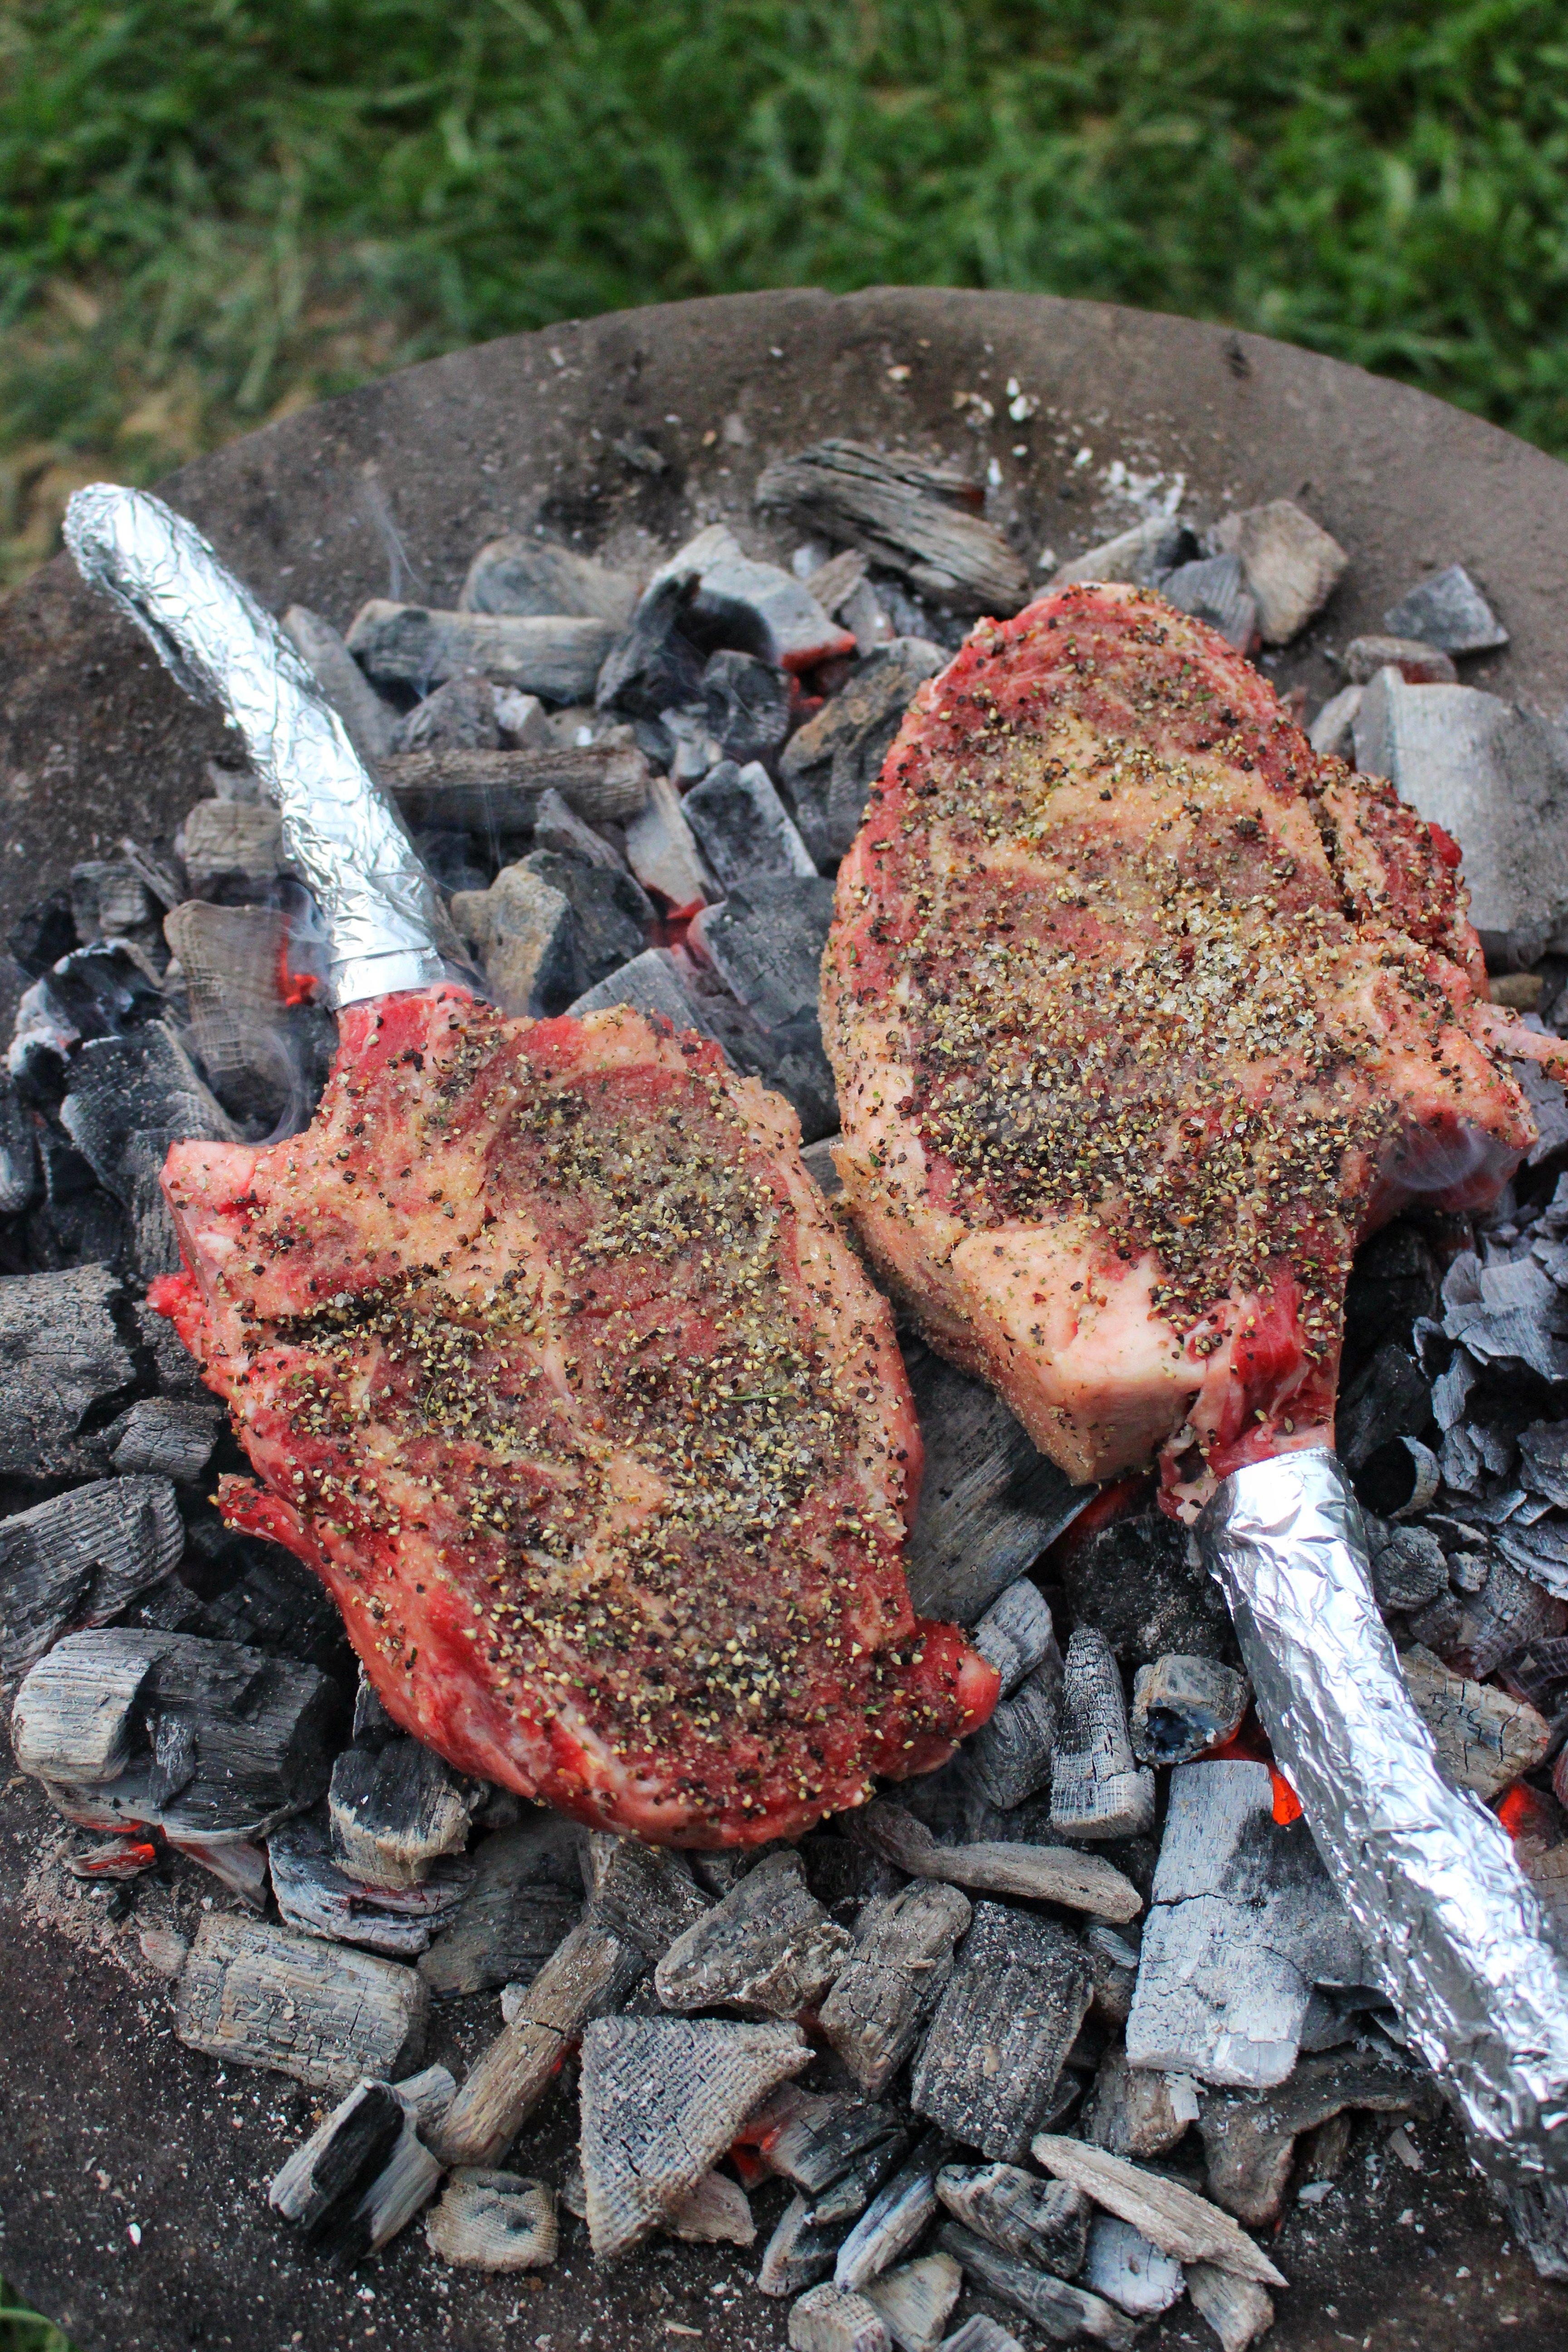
(1454, 1930)
(385, 923)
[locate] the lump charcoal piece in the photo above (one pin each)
(655, 665)
(1134, 1579)
(1290, 564)
(236, 1588)
(370, 721)
(1408, 1566)
(1143, 555)
(1484, 1739)
(1332, 733)
(254, 1995)
(898, 1967)
(915, 2301)
(765, 942)
(225, 842)
(493, 2222)
(662, 2100)
(650, 984)
(895, 2219)
(818, 1159)
(1041, 2221)
(530, 576)
(746, 704)
(558, 825)
(1175, 2219)
(662, 852)
(109, 901)
(314, 1895)
(45, 933)
(1543, 1460)
(1509, 1614)
(769, 1947)
(845, 1877)
(18, 1153)
(1250, 2143)
(1061, 2311)
(1010, 1757)
(799, 2253)
(830, 767)
(917, 519)
(990, 1502)
(989, 2065)
(559, 657)
(81, 1558)
(614, 914)
(647, 1893)
(1047, 1873)
(1016, 1635)
(981, 2332)
(717, 2213)
(491, 794)
(825, 2140)
(1137, 2110)
(1496, 778)
(1114, 1965)
(788, 1059)
(364, 2174)
(825, 2319)
(1237, 2309)
(846, 2199)
(396, 1810)
(1417, 664)
(528, 935)
(742, 827)
(1124, 2268)
(1448, 610)
(168, 1437)
(127, 1100)
(1215, 590)
(755, 607)
(1182, 1707)
(1391, 1398)
(1098, 1790)
(1243, 1924)
(458, 717)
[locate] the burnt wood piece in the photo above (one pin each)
(614, 913)
(830, 767)
(1137, 2110)
(557, 656)
(1175, 2219)
(820, 2143)
(364, 2174)
(1061, 2310)
(1017, 1634)
(742, 827)
(1484, 1739)
(1009, 1758)
(800, 2252)
(717, 2213)
(208, 1739)
(517, 573)
(319, 1899)
(746, 703)
(260, 1996)
(1137, 1580)
(18, 1153)
(527, 935)
(1129, 2272)
(126, 1099)
(655, 664)
(844, 2200)
(1291, 564)
(981, 2332)
(645, 1894)
(525, 1896)
(394, 1809)
(1237, 2309)
(1114, 1965)
(769, 1949)
(1098, 1787)
(1042, 2221)
(80, 1559)
(166, 1437)
(229, 840)
(765, 942)
(1183, 1706)
(1250, 2143)
(232, 958)
(825, 2319)
(918, 518)
(897, 1971)
(989, 2065)
(62, 1361)
(896, 2218)
(1046, 1874)
(662, 852)
(499, 792)
(915, 2301)
(753, 606)
(490, 2221)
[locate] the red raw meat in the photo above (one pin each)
(555, 1369)
(1142, 1015)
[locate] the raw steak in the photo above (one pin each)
(556, 1370)
(1142, 1015)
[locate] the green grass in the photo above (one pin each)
(22, 2330)
(213, 210)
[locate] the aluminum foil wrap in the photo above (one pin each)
(386, 924)
(1452, 1927)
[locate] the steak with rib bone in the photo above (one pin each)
(1142, 1015)
(553, 1365)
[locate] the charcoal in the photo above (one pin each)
(38, 939)
(1113, 1967)
(394, 1809)
(896, 1970)
(1332, 733)
(1484, 1739)
(989, 1503)
(1009, 1757)
(492, 793)
(110, 901)
(1539, 1552)
(830, 767)
(1544, 1457)
(1290, 564)
(528, 934)
(1419, 665)
(1243, 1924)
(662, 852)
(981, 2332)
(1135, 1581)
(114, 1858)
(1047, 1873)
(1215, 589)
(319, 1899)
(645, 1894)
(493, 2222)
(1507, 1614)
(799, 2253)
(1538, 2211)
(1401, 1479)
(746, 705)
(844, 1876)
(457, 717)
(1016, 1635)
(170, 1437)
(530, 576)
(1248, 2143)
(1448, 610)
(788, 1059)
(1236, 2308)
(370, 721)
(614, 914)
(1181, 1706)
(765, 942)
(559, 656)
(1175, 2219)
(755, 607)
(557, 825)
(1408, 1569)
(768, 1948)
(1098, 1790)
(588, 1975)
(1494, 776)
(1041, 2221)
(895, 2219)
(817, 1159)
(100, 992)
(916, 517)
(1538, 1673)
(206, 1738)
(825, 2319)
(1137, 2110)
(655, 665)
(126, 1099)
(363, 2174)
(1143, 555)
(236, 1588)
(715, 2214)
(1061, 2311)
(81, 1559)
(693, 752)
(231, 957)
(61, 1359)
(1391, 1398)
(1019, 1992)
(662, 2099)
(224, 842)
(742, 826)
(846, 2199)
(255, 1995)
(18, 1153)
(1124, 2268)
(651, 984)
(915, 2301)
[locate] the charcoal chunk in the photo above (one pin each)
(768, 1947)
(662, 852)
(1129, 2272)
(916, 2300)
(1484, 1739)
(645, 1894)
(800, 2252)
(1390, 1398)
(45, 932)
(490, 2221)
(1417, 664)
(1098, 1789)
(1290, 564)
(517, 573)
(830, 767)
(1408, 1567)
(1135, 1581)
(765, 942)
(1060, 2310)
(896, 1970)
(918, 518)
(319, 1899)
(528, 937)
(554, 656)
(1048, 1874)
(1143, 555)
(1183, 1706)
(18, 1153)
(172, 1437)
(1019, 1992)
(651, 984)
(127, 1100)
(61, 1359)
(746, 703)
(823, 2141)
(1248, 2143)
(825, 2319)
(742, 826)
(1041, 2221)
(394, 1809)
(614, 914)
(755, 607)
(1137, 2110)
(1215, 590)
(1010, 1757)
(1016, 1635)
(895, 2219)
(255, 1995)
(370, 721)
(1448, 610)
(81, 1559)
(655, 665)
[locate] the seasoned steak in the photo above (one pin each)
(1142, 1016)
(555, 1368)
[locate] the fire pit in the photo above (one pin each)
(623, 438)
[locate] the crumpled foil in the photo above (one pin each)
(386, 926)
(1452, 1926)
